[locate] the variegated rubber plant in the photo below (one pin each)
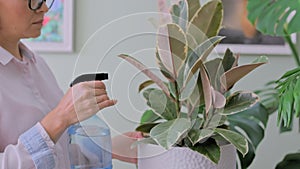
(191, 105)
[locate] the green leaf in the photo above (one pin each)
(248, 123)
(290, 161)
(288, 87)
(234, 138)
(197, 123)
(196, 136)
(209, 149)
(162, 105)
(228, 60)
(215, 70)
(239, 101)
(168, 133)
(163, 69)
(207, 21)
(146, 127)
(297, 99)
(198, 56)
(180, 14)
(274, 17)
(172, 48)
(148, 117)
(269, 97)
(290, 73)
(193, 6)
(245, 161)
(190, 87)
(214, 121)
(250, 126)
(147, 140)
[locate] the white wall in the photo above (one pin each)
(108, 37)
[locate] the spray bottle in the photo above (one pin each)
(90, 140)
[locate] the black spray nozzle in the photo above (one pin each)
(90, 77)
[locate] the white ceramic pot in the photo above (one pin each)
(155, 157)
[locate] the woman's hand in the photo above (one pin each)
(121, 146)
(80, 102)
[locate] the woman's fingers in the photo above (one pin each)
(95, 84)
(99, 92)
(106, 103)
(101, 98)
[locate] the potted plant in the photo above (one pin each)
(190, 107)
(281, 18)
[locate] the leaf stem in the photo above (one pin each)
(288, 39)
(177, 102)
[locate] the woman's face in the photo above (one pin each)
(18, 21)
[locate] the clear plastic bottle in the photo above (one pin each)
(90, 140)
(90, 145)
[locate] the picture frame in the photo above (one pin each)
(57, 31)
(242, 37)
(256, 49)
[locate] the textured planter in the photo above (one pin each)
(155, 157)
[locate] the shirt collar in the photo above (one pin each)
(6, 57)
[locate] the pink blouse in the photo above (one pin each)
(28, 91)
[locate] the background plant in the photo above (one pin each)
(281, 18)
(193, 105)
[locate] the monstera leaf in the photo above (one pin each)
(278, 17)
(290, 161)
(252, 122)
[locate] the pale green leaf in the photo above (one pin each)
(193, 6)
(180, 14)
(215, 69)
(239, 101)
(161, 105)
(196, 136)
(147, 140)
(146, 127)
(168, 133)
(207, 21)
(199, 55)
(172, 48)
(234, 138)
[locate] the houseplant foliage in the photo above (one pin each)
(281, 18)
(192, 105)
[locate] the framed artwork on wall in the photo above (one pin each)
(57, 31)
(242, 37)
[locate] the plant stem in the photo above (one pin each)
(293, 47)
(177, 103)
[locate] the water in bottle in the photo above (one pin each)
(90, 146)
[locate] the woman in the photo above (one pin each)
(34, 113)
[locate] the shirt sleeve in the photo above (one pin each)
(33, 150)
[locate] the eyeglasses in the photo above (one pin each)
(37, 4)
